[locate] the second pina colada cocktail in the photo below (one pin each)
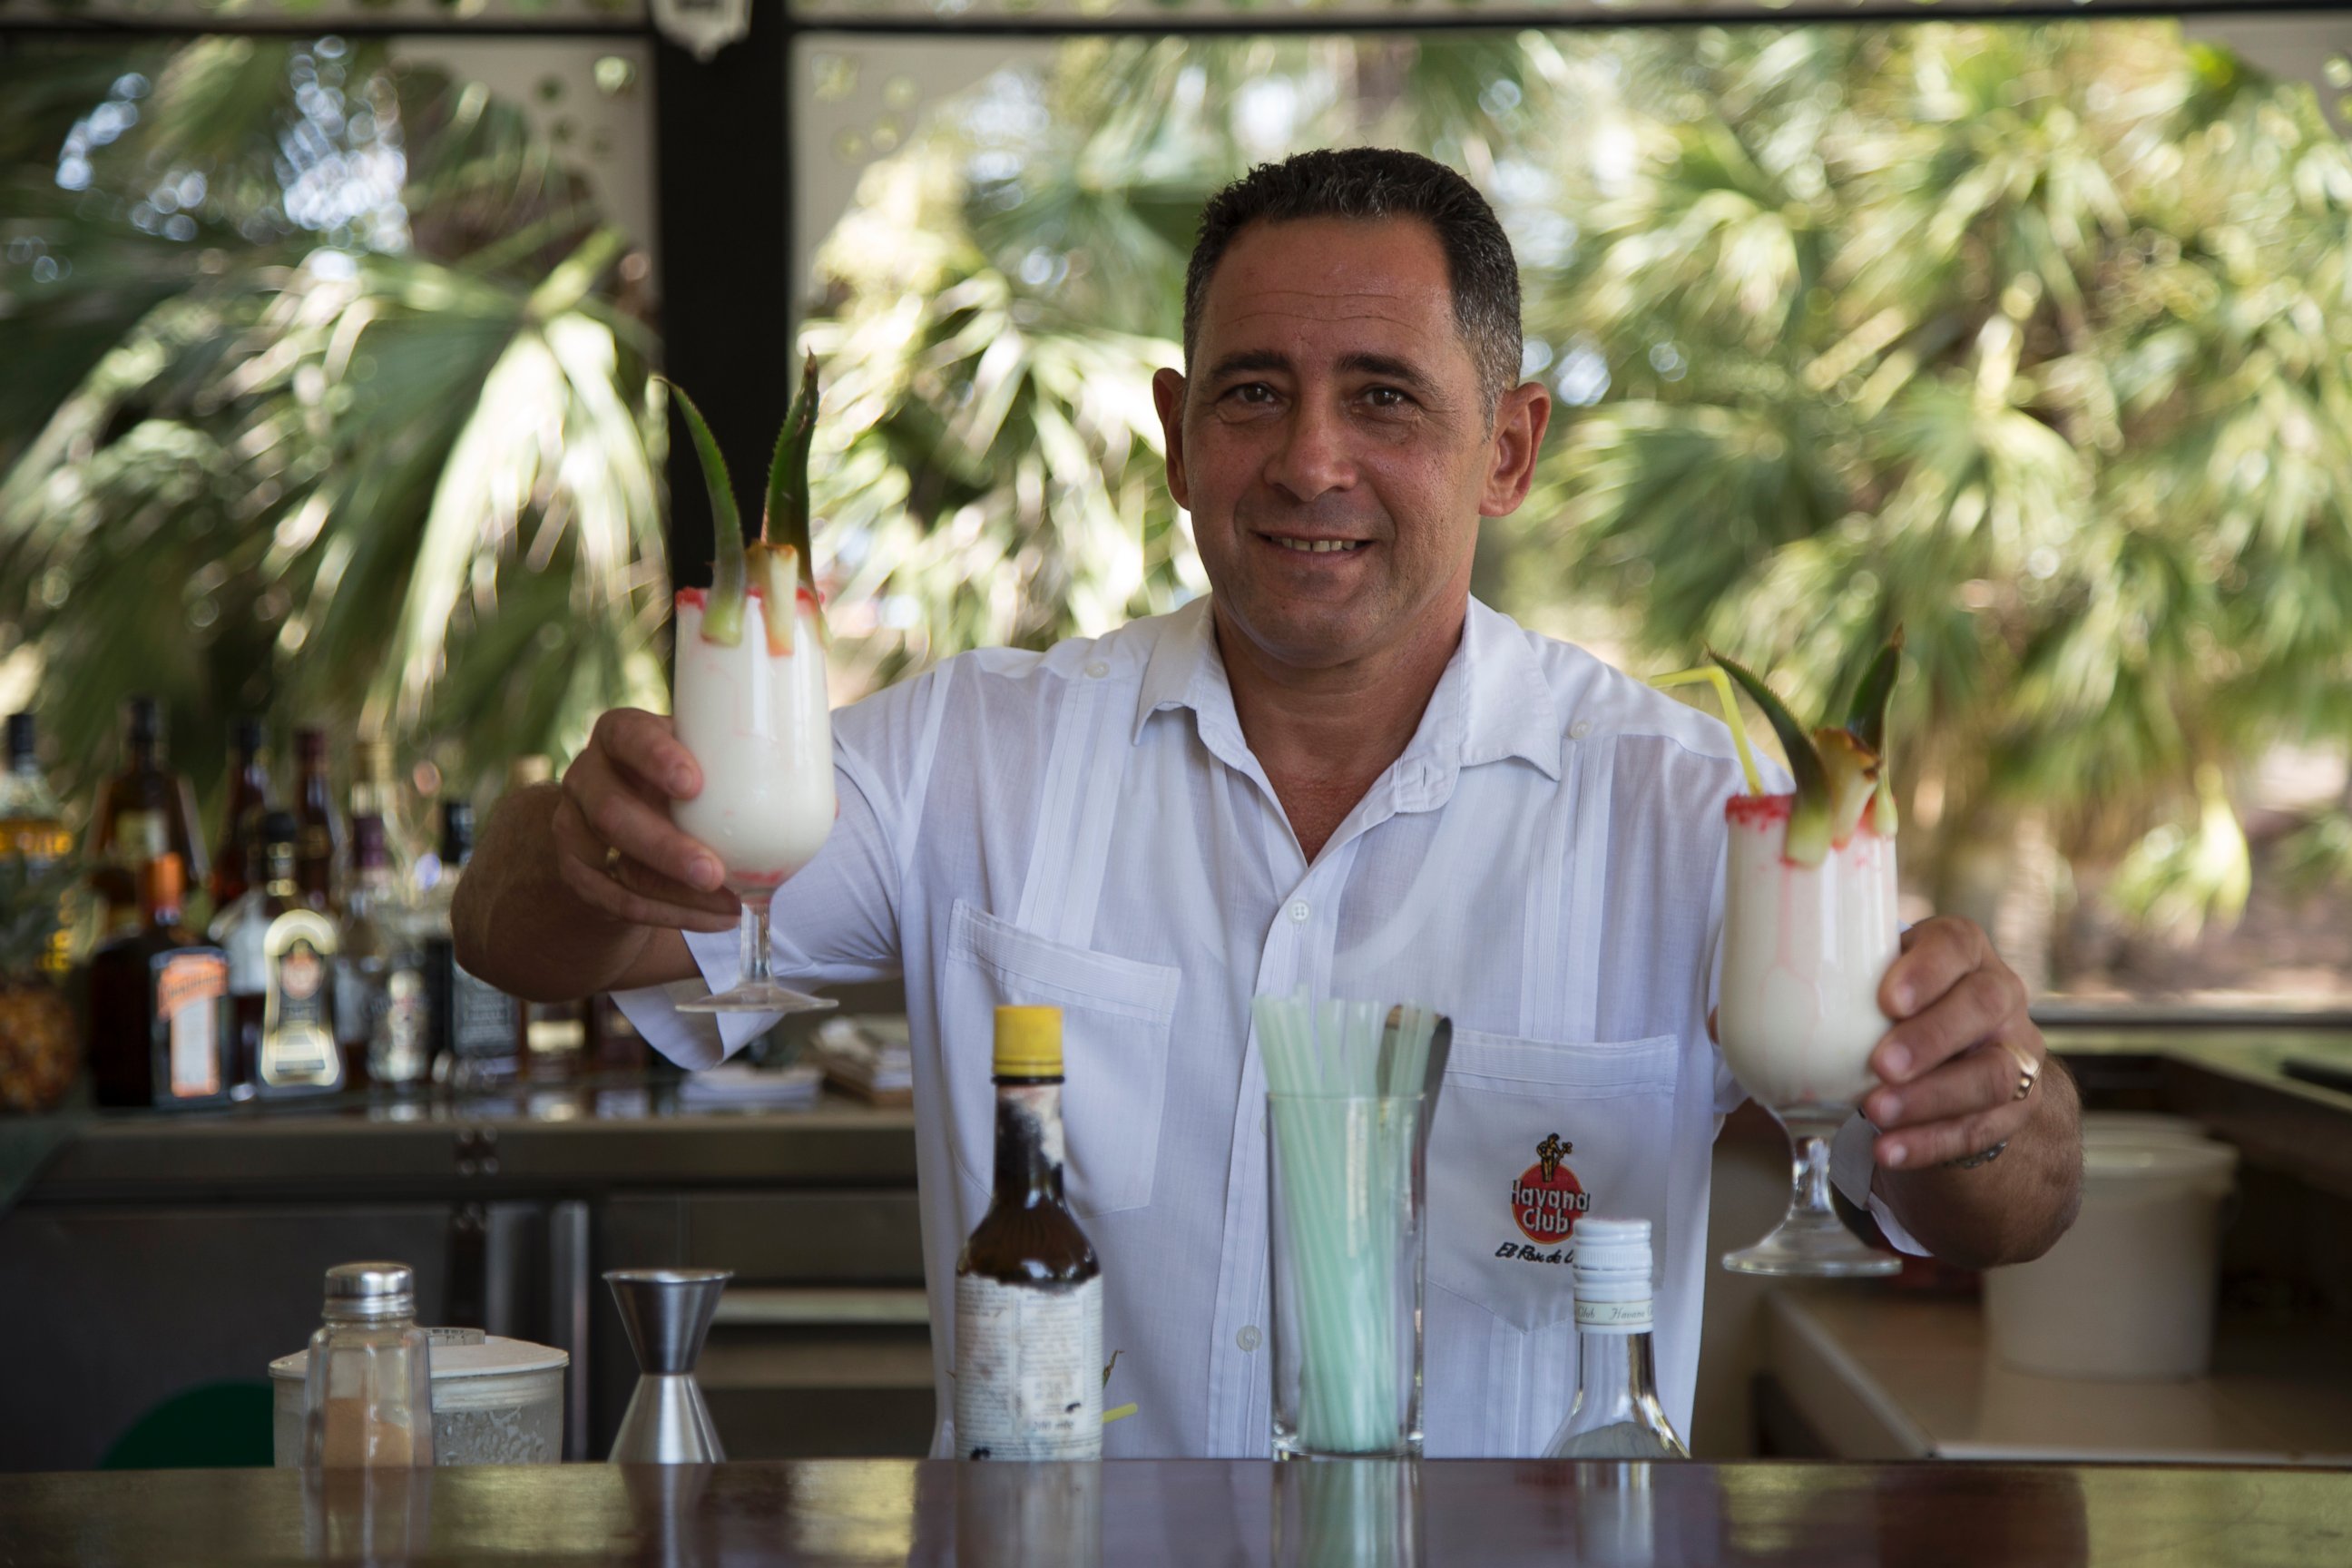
(1809, 929)
(750, 700)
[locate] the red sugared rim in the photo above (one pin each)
(700, 597)
(1759, 810)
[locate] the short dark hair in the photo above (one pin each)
(1373, 182)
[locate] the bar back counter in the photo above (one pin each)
(151, 1256)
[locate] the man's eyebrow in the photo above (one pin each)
(1383, 364)
(1249, 360)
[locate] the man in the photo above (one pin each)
(1341, 773)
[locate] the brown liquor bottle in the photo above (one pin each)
(146, 802)
(237, 861)
(158, 1014)
(1028, 1329)
(319, 849)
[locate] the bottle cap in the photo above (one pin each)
(372, 1290)
(20, 741)
(1612, 1260)
(163, 882)
(1028, 1042)
(311, 743)
(142, 719)
(250, 736)
(280, 828)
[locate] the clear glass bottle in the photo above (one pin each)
(367, 1396)
(1616, 1414)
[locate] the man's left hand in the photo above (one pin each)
(1960, 1045)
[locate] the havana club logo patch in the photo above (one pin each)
(1547, 1198)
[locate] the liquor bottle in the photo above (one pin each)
(146, 804)
(33, 826)
(1028, 1329)
(158, 1010)
(319, 849)
(475, 1025)
(380, 1009)
(286, 1032)
(237, 859)
(1615, 1415)
(377, 792)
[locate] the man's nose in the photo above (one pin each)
(1313, 457)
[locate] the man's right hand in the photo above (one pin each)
(615, 797)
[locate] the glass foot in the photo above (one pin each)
(766, 997)
(1805, 1247)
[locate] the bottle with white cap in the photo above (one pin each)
(367, 1397)
(1616, 1414)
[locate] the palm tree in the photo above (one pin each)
(333, 405)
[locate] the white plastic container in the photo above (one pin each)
(494, 1401)
(2127, 1293)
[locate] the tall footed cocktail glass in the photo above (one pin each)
(751, 698)
(1804, 949)
(1809, 927)
(758, 725)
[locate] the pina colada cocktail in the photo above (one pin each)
(759, 725)
(1809, 929)
(750, 703)
(1804, 948)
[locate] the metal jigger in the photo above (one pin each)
(667, 1313)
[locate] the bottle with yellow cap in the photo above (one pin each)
(1028, 1334)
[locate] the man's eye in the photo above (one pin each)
(1252, 392)
(1387, 397)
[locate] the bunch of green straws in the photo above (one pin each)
(1345, 1085)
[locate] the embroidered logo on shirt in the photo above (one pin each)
(1546, 1197)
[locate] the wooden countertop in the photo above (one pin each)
(1488, 1514)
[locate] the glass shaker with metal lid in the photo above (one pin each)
(368, 1394)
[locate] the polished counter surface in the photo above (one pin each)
(1139, 1513)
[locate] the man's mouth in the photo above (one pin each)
(1315, 546)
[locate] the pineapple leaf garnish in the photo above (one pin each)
(775, 573)
(1808, 813)
(1867, 716)
(786, 519)
(722, 612)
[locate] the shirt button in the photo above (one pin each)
(1097, 669)
(1581, 728)
(1249, 1339)
(1299, 911)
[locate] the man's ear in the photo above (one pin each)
(1520, 419)
(1168, 397)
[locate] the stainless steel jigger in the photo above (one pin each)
(667, 1313)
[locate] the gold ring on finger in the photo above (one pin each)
(613, 862)
(2029, 1068)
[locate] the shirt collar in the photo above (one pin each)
(1491, 702)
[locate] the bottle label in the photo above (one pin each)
(397, 1050)
(481, 1018)
(189, 989)
(1029, 1370)
(1613, 1317)
(298, 1034)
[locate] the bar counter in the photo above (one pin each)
(1138, 1513)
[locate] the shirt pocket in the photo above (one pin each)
(1531, 1135)
(1117, 1017)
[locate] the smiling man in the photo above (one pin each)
(1339, 771)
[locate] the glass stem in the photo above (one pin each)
(753, 934)
(1812, 1173)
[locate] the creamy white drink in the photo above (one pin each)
(760, 727)
(1804, 949)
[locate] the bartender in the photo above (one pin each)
(1339, 770)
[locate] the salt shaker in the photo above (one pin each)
(367, 1399)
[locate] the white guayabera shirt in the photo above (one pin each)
(1088, 828)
